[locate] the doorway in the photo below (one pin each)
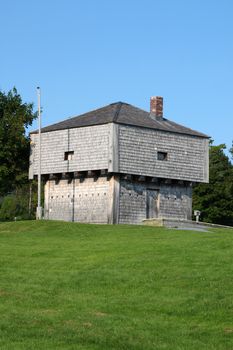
(152, 203)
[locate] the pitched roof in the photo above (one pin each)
(121, 113)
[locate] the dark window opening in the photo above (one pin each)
(68, 155)
(162, 155)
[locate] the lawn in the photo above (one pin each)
(75, 286)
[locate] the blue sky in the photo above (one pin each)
(85, 54)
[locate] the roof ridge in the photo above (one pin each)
(118, 109)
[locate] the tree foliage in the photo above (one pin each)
(15, 117)
(20, 205)
(215, 200)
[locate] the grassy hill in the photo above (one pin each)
(76, 286)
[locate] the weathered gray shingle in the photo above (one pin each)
(121, 113)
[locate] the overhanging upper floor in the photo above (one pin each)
(121, 148)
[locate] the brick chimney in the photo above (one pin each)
(156, 107)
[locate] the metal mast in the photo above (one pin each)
(39, 209)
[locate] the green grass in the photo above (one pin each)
(76, 286)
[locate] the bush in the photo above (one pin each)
(8, 208)
(16, 205)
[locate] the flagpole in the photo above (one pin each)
(39, 209)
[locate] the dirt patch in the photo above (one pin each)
(228, 330)
(100, 314)
(48, 312)
(4, 293)
(72, 324)
(87, 324)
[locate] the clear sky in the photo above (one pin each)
(85, 54)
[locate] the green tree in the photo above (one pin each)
(15, 117)
(215, 199)
(231, 151)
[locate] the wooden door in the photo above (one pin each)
(152, 203)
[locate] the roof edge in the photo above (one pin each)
(201, 135)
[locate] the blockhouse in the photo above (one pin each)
(119, 164)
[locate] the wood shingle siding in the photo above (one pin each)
(173, 201)
(186, 155)
(86, 201)
(90, 146)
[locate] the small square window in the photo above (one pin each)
(162, 155)
(68, 155)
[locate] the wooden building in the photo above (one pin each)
(119, 164)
